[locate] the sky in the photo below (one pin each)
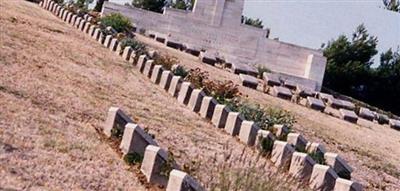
(311, 23)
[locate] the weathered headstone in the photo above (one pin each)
(107, 41)
(135, 140)
(280, 130)
(282, 154)
(334, 103)
(96, 34)
(116, 119)
(173, 44)
(148, 68)
(77, 22)
(208, 58)
(238, 68)
(297, 141)
(248, 132)
(395, 124)
(82, 25)
(301, 166)
(181, 181)
(325, 97)
(348, 115)
(207, 107)
(153, 161)
(233, 123)
(316, 148)
(220, 115)
(195, 100)
(281, 92)
(175, 86)
(347, 105)
(347, 185)
(185, 92)
(290, 84)
(140, 62)
(193, 50)
(366, 114)
(152, 53)
(323, 177)
(114, 44)
(71, 18)
(248, 81)
(126, 54)
(339, 165)
(101, 38)
(87, 27)
(156, 74)
(315, 103)
(166, 78)
(271, 79)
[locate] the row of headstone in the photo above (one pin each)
(134, 139)
(317, 100)
(220, 115)
(283, 153)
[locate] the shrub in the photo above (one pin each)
(197, 77)
(222, 91)
(254, 113)
(166, 61)
(117, 22)
(261, 70)
(318, 157)
(180, 71)
(133, 158)
(265, 146)
(279, 116)
(168, 165)
(137, 46)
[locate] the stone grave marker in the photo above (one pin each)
(339, 165)
(281, 92)
(185, 92)
(181, 181)
(116, 119)
(281, 154)
(166, 78)
(156, 74)
(297, 141)
(220, 115)
(153, 161)
(315, 104)
(301, 166)
(207, 107)
(195, 100)
(347, 185)
(233, 123)
(323, 177)
(348, 115)
(248, 132)
(175, 86)
(248, 81)
(135, 140)
(366, 114)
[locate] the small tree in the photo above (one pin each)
(117, 22)
(393, 5)
(99, 5)
(151, 5)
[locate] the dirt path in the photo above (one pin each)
(56, 85)
(372, 150)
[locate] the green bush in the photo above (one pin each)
(318, 157)
(133, 158)
(261, 70)
(137, 46)
(180, 71)
(166, 61)
(265, 146)
(117, 21)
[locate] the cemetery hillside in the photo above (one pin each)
(188, 95)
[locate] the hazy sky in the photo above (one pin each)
(313, 22)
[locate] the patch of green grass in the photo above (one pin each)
(133, 158)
